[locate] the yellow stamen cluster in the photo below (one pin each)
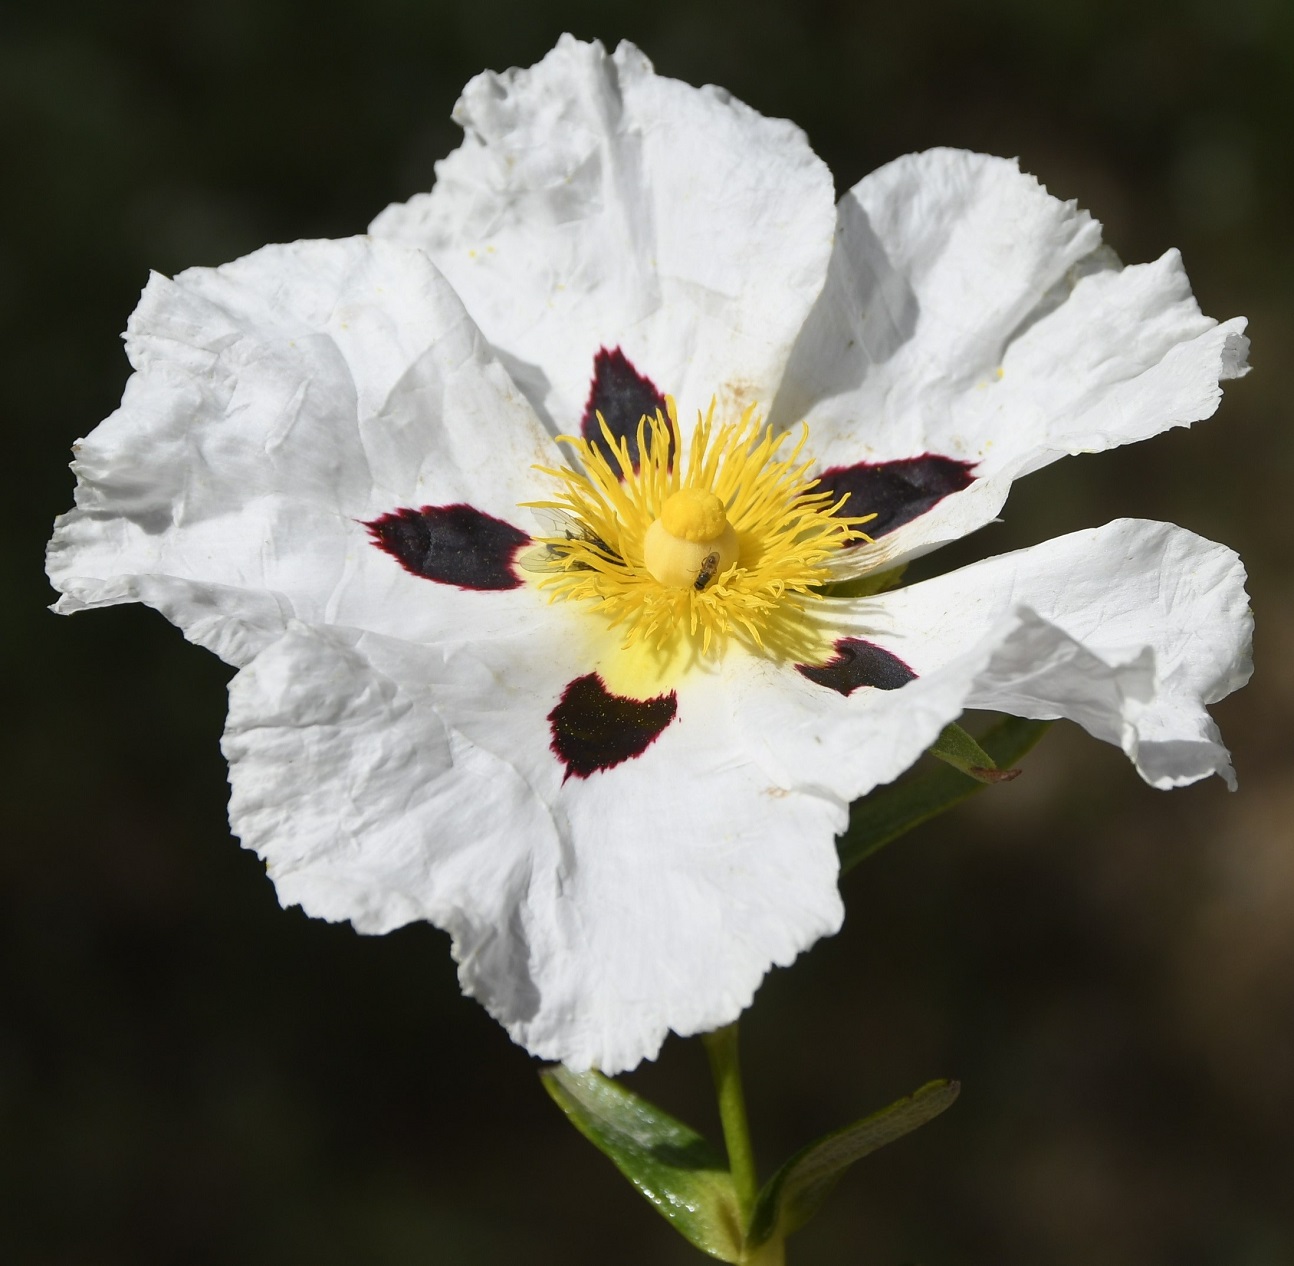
(734, 543)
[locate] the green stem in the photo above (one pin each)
(770, 1253)
(721, 1046)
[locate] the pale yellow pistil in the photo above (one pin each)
(692, 542)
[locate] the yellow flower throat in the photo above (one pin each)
(734, 544)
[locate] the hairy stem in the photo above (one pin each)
(721, 1046)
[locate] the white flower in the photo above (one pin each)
(613, 770)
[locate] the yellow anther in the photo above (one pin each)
(693, 514)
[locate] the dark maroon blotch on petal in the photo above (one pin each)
(623, 397)
(859, 663)
(896, 492)
(593, 729)
(453, 545)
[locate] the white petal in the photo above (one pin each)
(693, 872)
(278, 403)
(1130, 630)
(384, 782)
(594, 203)
(969, 314)
(1126, 355)
(1130, 594)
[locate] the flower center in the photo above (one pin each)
(736, 544)
(691, 542)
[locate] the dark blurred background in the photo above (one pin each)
(189, 1074)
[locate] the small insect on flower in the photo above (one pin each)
(709, 566)
(551, 555)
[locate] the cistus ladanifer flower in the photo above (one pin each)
(556, 530)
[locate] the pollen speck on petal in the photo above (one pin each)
(593, 729)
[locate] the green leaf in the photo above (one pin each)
(796, 1192)
(892, 811)
(958, 749)
(865, 586)
(672, 1165)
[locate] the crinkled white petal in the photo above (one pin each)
(594, 203)
(969, 314)
(384, 782)
(277, 403)
(1129, 630)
